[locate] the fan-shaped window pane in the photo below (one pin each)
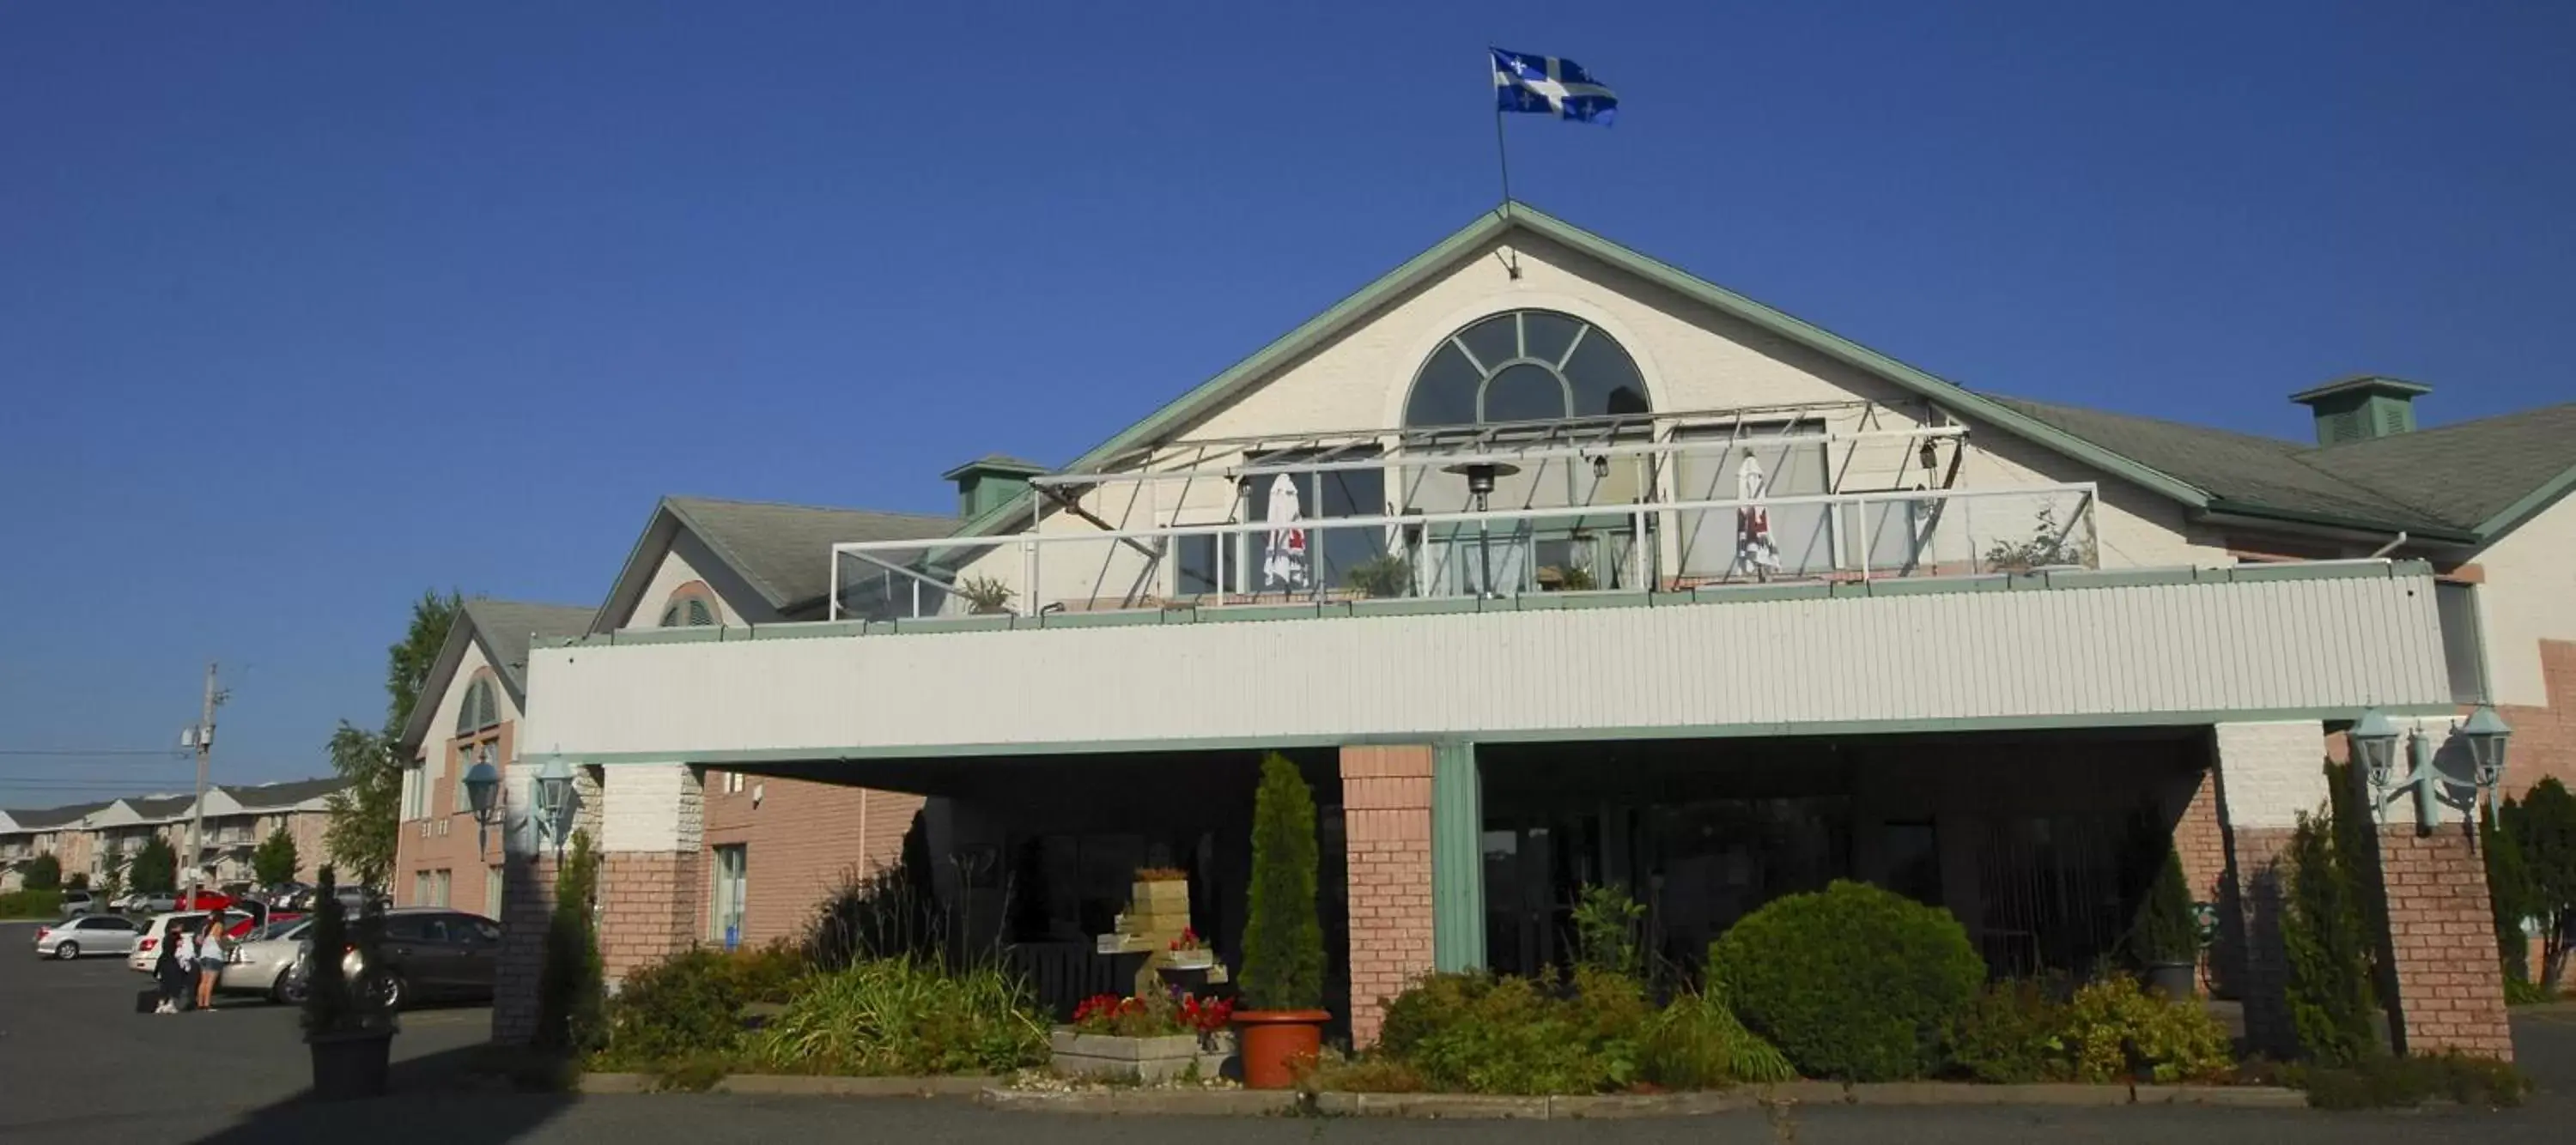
(1546, 336)
(1604, 378)
(1524, 392)
(476, 712)
(1522, 366)
(671, 617)
(1445, 392)
(1494, 341)
(700, 616)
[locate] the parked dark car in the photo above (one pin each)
(430, 954)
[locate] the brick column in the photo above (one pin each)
(1386, 813)
(2200, 841)
(2441, 941)
(652, 820)
(2267, 775)
(526, 912)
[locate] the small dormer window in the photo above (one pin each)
(481, 709)
(691, 606)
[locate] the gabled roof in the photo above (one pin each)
(503, 628)
(52, 818)
(2487, 475)
(783, 552)
(274, 796)
(2206, 470)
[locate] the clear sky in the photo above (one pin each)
(307, 308)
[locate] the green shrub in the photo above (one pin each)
(2518, 992)
(905, 1017)
(42, 873)
(46, 905)
(2388, 1082)
(2166, 930)
(1375, 1073)
(768, 974)
(1697, 1043)
(2118, 1032)
(1479, 1033)
(1853, 982)
(685, 1005)
(571, 984)
(2013, 1033)
(1606, 922)
(2326, 937)
(1283, 939)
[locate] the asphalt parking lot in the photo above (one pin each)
(78, 1065)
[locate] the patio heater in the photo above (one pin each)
(1480, 477)
(2374, 746)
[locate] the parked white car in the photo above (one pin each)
(87, 934)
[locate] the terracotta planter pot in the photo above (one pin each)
(1275, 1042)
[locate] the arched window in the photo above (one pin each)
(480, 709)
(691, 606)
(1525, 365)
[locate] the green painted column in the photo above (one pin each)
(1457, 859)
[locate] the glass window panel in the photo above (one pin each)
(1604, 378)
(1524, 392)
(1801, 534)
(1547, 336)
(1494, 341)
(1445, 392)
(700, 616)
(1195, 565)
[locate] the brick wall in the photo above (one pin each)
(527, 902)
(802, 841)
(2200, 840)
(2544, 738)
(1386, 806)
(647, 904)
(2442, 939)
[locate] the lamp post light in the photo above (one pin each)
(483, 794)
(554, 803)
(1480, 477)
(2487, 734)
(2374, 747)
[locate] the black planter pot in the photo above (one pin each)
(2173, 981)
(350, 1065)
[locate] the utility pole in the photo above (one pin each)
(205, 737)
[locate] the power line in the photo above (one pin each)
(171, 752)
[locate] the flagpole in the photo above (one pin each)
(1502, 158)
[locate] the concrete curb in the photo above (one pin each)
(801, 1085)
(1462, 1106)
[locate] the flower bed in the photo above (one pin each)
(1146, 1040)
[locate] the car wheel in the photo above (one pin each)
(284, 991)
(67, 951)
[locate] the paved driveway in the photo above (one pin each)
(77, 1065)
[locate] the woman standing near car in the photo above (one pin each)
(174, 968)
(210, 960)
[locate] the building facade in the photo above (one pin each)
(1552, 566)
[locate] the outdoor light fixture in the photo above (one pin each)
(1600, 466)
(2487, 732)
(2374, 743)
(483, 794)
(1480, 477)
(1931, 455)
(554, 802)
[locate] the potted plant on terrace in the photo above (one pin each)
(2166, 939)
(348, 1027)
(1282, 1023)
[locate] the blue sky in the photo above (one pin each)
(306, 308)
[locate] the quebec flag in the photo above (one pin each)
(1548, 85)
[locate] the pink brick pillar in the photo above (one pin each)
(1386, 809)
(651, 886)
(2200, 841)
(2441, 939)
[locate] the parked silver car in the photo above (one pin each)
(87, 934)
(260, 962)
